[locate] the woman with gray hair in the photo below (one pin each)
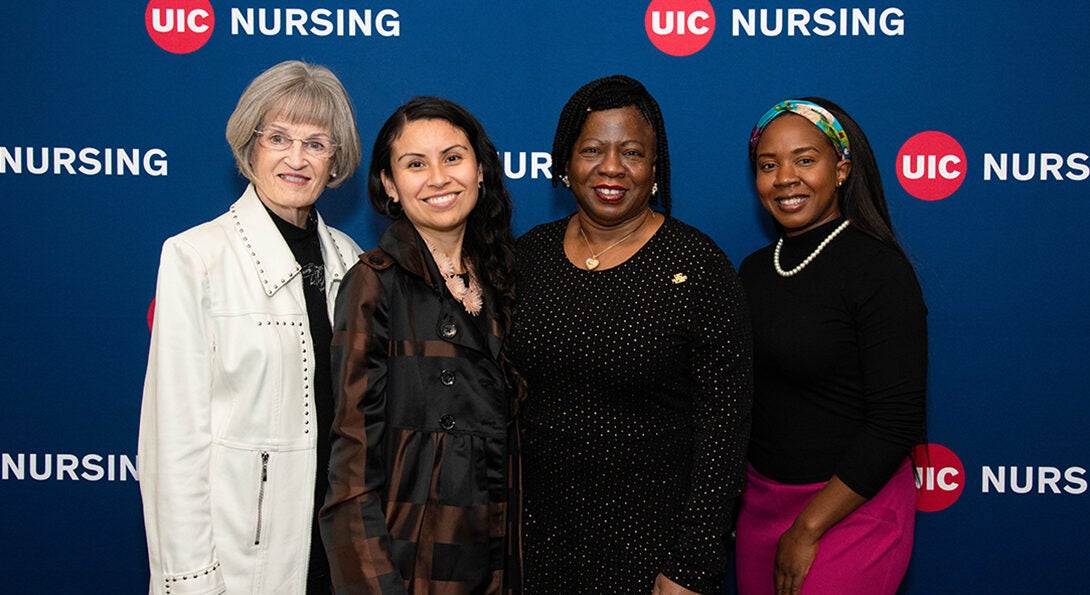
(237, 404)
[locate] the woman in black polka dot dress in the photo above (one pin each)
(633, 336)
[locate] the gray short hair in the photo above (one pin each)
(300, 93)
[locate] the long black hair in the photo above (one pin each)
(861, 198)
(612, 92)
(489, 244)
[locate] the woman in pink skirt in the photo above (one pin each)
(840, 366)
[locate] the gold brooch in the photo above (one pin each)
(679, 278)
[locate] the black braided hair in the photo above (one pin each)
(607, 93)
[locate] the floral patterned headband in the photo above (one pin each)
(818, 115)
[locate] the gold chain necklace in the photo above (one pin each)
(592, 262)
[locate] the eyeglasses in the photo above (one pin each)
(314, 146)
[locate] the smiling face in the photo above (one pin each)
(433, 176)
(612, 166)
(289, 182)
(798, 172)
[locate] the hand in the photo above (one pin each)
(794, 556)
(665, 586)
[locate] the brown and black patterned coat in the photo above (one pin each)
(417, 492)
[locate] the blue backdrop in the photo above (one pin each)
(111, 143)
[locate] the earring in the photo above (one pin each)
(480, 192)
(654, 188)
(333, 174)
(564, 180)
(391, 209)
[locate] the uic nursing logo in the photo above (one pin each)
(931, 165)
(184, 26)
(679, 27)
(179, 26)
(940, 477)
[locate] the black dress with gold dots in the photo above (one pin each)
(638, 414)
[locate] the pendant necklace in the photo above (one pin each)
(813, 255)
(593, 262)
(468, 293)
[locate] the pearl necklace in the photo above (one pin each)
(813, 255)
(592, 262)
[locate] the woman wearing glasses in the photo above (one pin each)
(237, 402)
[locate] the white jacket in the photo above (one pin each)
(226, 452)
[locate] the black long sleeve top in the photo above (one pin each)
(635, 427)
(840, 360)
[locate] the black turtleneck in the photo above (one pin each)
(307, 249)
(840, 360)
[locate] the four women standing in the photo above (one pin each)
(631, 331)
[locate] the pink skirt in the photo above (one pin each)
(866, 553)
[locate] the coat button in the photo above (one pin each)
(447, 422)
(448, 330)
(375, 259)
(446, 377)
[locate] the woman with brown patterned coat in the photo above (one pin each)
(418, 472)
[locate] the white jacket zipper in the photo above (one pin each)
(261, 493)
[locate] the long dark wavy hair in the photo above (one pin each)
(862, 198)
(489, 244)
(607, 93)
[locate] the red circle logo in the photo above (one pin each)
(931, 165)
(179, 26)
(940, 477)
(679, 27)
